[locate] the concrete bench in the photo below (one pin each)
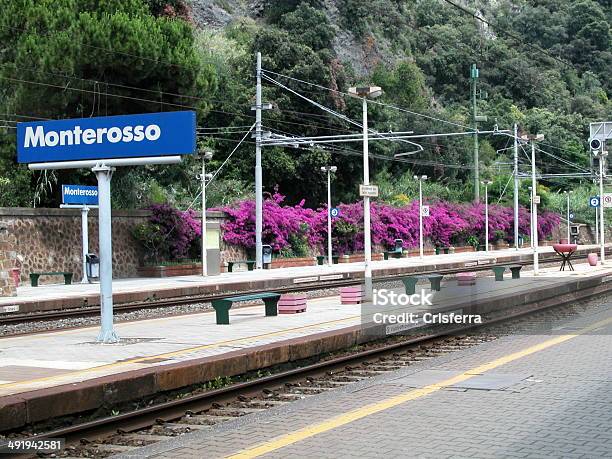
(222, 306)
(467, 278)
(34, 277)
(292, 304)
(250, 264)
(411, 281)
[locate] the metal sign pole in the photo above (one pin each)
(85, 246)
(107, 333)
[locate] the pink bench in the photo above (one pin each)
(468, 278)
(352, 295)
(292, 304)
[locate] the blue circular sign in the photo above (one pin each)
(334, 212)
(594, 201)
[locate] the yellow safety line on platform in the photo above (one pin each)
(373, 408)
(175, 353)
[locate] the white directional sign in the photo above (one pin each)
(368, 190)
(594, 201)
(607, 200)
(425, 211)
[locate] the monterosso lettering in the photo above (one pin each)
(37, 137)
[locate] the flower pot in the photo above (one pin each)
(592, 259)
(16, 273)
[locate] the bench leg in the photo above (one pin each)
(409, 285)
(230, 267)
(435, 284)
(251, 265)
(271, 306)
(222, 313)
(34, 279)
(516, 273)
(499, 275)
(68, 279)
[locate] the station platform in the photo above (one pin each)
(65, 372)
(59, 296)
(531, 396)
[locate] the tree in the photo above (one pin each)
(81, 58)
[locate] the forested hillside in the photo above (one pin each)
(544, 64)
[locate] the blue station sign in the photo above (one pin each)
(80, 195)
(124, 136)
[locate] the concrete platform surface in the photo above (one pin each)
(529, 396)
(58, 296)
(50, 359)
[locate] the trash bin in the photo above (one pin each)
(398, 246)
(266, 254)
(93, 266)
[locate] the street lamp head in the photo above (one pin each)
(329, 168)
(487, 182)
(333, 168)
(423, 177)
(369, 92)
(206, 154)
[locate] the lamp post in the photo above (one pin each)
(534, 199)
(567, 193)
(421, 179)
(364, 93)
(206, 156)
(486, 184)
(329, 170)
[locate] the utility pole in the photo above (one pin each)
(258, 173)
(486, 184)
(474, 77)
(535, 199)
(206, 156)
(535, 210)
(516, 189)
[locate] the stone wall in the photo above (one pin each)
(50, 240)
(7, 287)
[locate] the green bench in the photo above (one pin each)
(499, 271)
(250, 265)
(394, 254)
(34, 277)
(222, 306)
(410, 282)
(321, 259)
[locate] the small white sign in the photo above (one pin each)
(536, 199)
(303, 280)
(368, 191)
(607, 200)
(13, 308)
(331, 277)
(425, 211)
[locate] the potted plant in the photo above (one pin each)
(499, 242)
(472, 241)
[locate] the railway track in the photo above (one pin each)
(194, 411)
(91, 311)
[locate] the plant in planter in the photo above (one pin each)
(168, 238)
(473, 241)
(499, 238)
